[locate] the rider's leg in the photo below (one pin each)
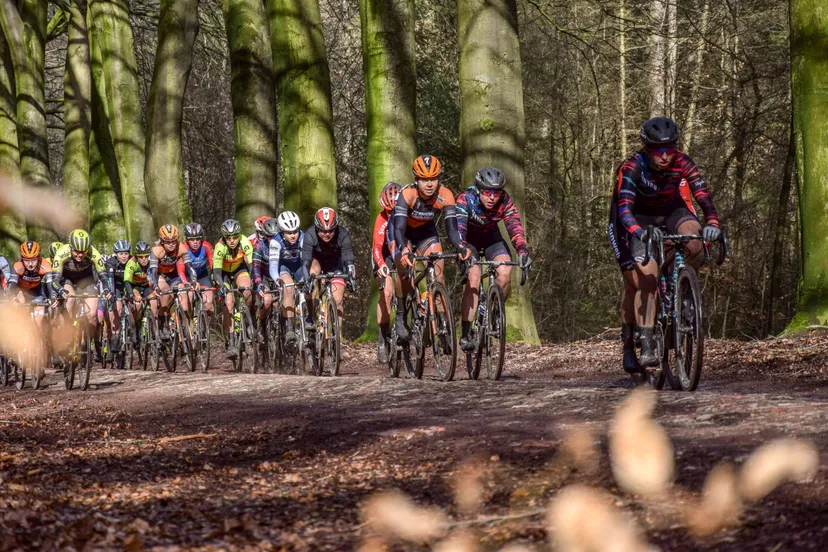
(288, 298)
(243, 280)
(92, 316)
(165, 299)
(315, 270)
(504, 275)
(338, 288)
(470, 299)
(646, 278)
(628, 325)
(693, 251)
(402, 285)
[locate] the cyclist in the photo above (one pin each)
(480, 208)
(259, 233)
(286, 265)
(163, 270)
(78, 267)
(327, 248)
(136, 284)
(232, 262)
(417, 206)
(115, 269)
(650, 191)
(382, 258)
(31, 277)
(5, 273)
(53, 247)
(262, 280)
(201, 258)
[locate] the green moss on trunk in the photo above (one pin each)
(12, 227)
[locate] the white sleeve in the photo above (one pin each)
(273, 259)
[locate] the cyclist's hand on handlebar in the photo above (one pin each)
(383, 271)
(658, 235)
(260, 290)
(524, 260)
(711, 233)
(350, 285)
(307, 287)
(464, 253)
(406, 258)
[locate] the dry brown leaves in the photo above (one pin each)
(720, 504)
(393, 514)
(775, 463)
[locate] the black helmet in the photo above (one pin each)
(660, 131)
(270, 227)
(193, 231)
(230, 227)
(142, 248)
(490, 178)
(121, 246)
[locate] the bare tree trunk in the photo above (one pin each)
(689, 129)
(12, 227)
(672, 56)
(658, 94)
(780, 228)
(622, 69)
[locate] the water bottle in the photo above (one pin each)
(237, 322)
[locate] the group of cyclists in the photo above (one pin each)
(653, 194)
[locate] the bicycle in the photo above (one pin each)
(200, 330)
(243, 332)
(679, 317)
(307, 347)
(395, 350)
(149, 344)
(430, 320)
(124, 357)
(79, 358)
(180, 338)
(287, 354)
(488, 331)
(327, 330)
(32, 359)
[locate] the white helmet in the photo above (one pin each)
(288, 221)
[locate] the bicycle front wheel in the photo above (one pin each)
(248, 348)
(186, 341)
(494, 344)
(332, 339)
(441, 327)
(202, 337)
(689, 339)
(20, 370)
(394, 351)
(85, 355)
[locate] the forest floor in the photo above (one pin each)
(156, 460)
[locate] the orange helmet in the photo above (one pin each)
(29, 250)
(168, 233)
(427, 166)
(388, 195)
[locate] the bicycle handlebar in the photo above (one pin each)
(434, 257)
(524, 274)
(683, 238)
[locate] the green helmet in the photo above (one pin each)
(53, 247)
(80, 240)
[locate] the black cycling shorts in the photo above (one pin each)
(490, 243)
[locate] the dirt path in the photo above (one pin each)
(283, 462)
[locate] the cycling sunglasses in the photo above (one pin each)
(491, 193)
(660, 152)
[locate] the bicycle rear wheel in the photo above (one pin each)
(202, 336)
(493, 343)
(153, 343)
(125, 358)
(85, 355)
(689, 339)
(395, 360)
(248, 351)
(273, 340)
(413, 351)
(332, 339)
(186, 347)
(441, 327)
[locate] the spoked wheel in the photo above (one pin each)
(69, 373)
(185, 345)
(413, 352)
(20, 371)
(84, 356)
(273, 339)
(169, 346)
(202, 338)
(395, 360)
(320, 343)
(106, 347)
(333, 342)
(287, 353)
(125, 359)
(248, 349)
(494, 343)
(441, 326)
(656, 377)
(688, 336)
(39, 366)
(153, 344)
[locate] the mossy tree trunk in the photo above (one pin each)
(306, 142)
(77, 97)
(12, 227)
(164, 171)
(106, 213)
(388, 62)
(25, 31)
(809, 71)
(252, 89)
(112, 34)
(492, 126)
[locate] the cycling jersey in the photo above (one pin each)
(232, 260)
(201, 261)
(641, 190)
(278, 256)
(5, 272)
(474, 219)
(115, 272)
(166, 264)
(66, 268)
(35, 282)
(135, 275)
(333, 255)
(381, 249)
(412, 211)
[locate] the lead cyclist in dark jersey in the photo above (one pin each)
(653, 188)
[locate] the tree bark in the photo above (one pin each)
(672, 57)
(77, 98)
(308, 168)
(622, 70)
(12, 227)
(492, 125)
(112, 34)
(809, 70)
(779, 233)
(254, 112)
(163, 170)
(690, 123)
(658, 94)
(106, 214)
(389, 66)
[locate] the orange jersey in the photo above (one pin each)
(420, 211)
(30, 280)
(166, 262)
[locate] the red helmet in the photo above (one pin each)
(388, 195)
(259, 224)
(325, 219)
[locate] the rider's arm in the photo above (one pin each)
(463, 209)
(57, 266)
(8, 274)
(511, 219)
(274, 255)
(152, 269)
(258, 261)
(99, 273)
(699, 189)
(310, 242)
(628, 175)
(184, 257)
(129, 270)
(400, 217)
(218, 261)
(378, 242)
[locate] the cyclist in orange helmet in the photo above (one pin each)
(415, 231)
(163, 271)
(32, 277)
(382, 259)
